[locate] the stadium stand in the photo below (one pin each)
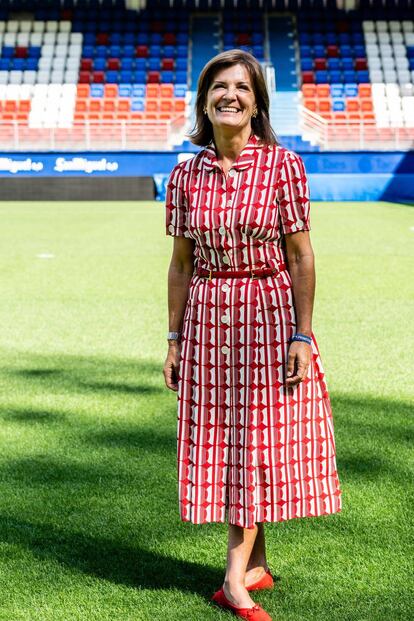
(87, 74)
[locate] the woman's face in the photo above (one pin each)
(230, 98)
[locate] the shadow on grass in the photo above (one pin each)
(109, 559)
(82, 374)
(371, 435)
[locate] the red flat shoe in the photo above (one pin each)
(265, 582)
(256, 613)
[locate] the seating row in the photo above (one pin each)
(323, 77)
(332, 51)
(388, 26)
(359, 64)
(337, 90)
(139, 51)
(138, 77)
(151, 64)
(39, 38)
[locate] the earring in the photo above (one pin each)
(205, 110)
(254, 113)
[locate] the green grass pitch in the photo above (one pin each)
(88, 499)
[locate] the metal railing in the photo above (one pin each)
(353, 134)
(122, 135)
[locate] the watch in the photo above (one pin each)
(173, 336)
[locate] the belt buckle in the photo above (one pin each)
(252, 274)
(210, 272)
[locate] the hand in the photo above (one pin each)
(172, 367)
(299, 358)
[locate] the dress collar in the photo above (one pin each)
(246, 158)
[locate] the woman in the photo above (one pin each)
(255, 428)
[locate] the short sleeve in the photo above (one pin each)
(176, 204)
(293, 195)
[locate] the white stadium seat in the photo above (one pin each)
(9, 38)
(65, 26)
(395, 26)
(48, 50)
(36, 38)
(39, 26)
(29, 77)
(12, 25)
(62, 37)
(407, 26)
(22, 39)
(2, 26)
(71, 77)
(368, 26)
(25, 25)
(15, 77)
(381, 26)
(59, 63)
(49, 37)
(51, 25)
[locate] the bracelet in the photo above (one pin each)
(301, 337)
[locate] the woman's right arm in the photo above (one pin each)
(179, 276)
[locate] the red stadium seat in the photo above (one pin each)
(167, 90)
(83, 91)
(179, 105)
(86, 64)
(320, 64)
(309, 90)
(167, 64)
(84, 77)
(332, 51)
(308, 77)
(95, 105)
(153, 77)
(109, 105)
(323, 90)
(352, 104)
(98, 77)
(152, 90)
(10, 105)
(169, 38)
(361, 64)
(151, 105)
(310, 104)
(124, 104)
(102, 38)
(166, 105)
(141, 51)
(113, 64)
(20, 52)
(111, 91)
(324, 104)
(81, 105)
(364, 90)
(366, 105)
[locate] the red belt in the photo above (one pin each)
(259, 272)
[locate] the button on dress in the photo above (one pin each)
(249, 448)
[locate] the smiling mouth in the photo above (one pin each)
(228, 109)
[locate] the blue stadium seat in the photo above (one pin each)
(167, 77)
(349, 77)
(351, 90)
(359, 51)
(101, 51)
(182, 38)
(306, 64)
(142, 38)
(125, 76)
(128, 51)
(362, 77)
(337, 90)
(331, 38)
(346, 51)
(5, 64)
(128, 63)
(319, 51)
(129, 38)
(140, 77)
(181, 64)
(125, 89)
(114, 51)
(111, 77)
(140, 64)
(115, 38)
(322, 77)
(257, 38)
(338, 105)
(258, 51)
(306, 51)
(19, 64)
(347, 64)
(97, 90)
(7, 52)
(34, 52)
(334, 63)
(155, 38)
(169, 51)
(88, 51)
(180, 77)
(138, 104)
(155, 50)
(180, 90)
(154, 64)
(182, 51)
(318, 38)
(99, 64)
(89, 38)
(138, 90)
(335, 75)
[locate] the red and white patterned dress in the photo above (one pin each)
(249, 448)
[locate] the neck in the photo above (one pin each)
(230, 145)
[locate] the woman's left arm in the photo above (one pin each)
(301, 265)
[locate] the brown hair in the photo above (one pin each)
(202, 132)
